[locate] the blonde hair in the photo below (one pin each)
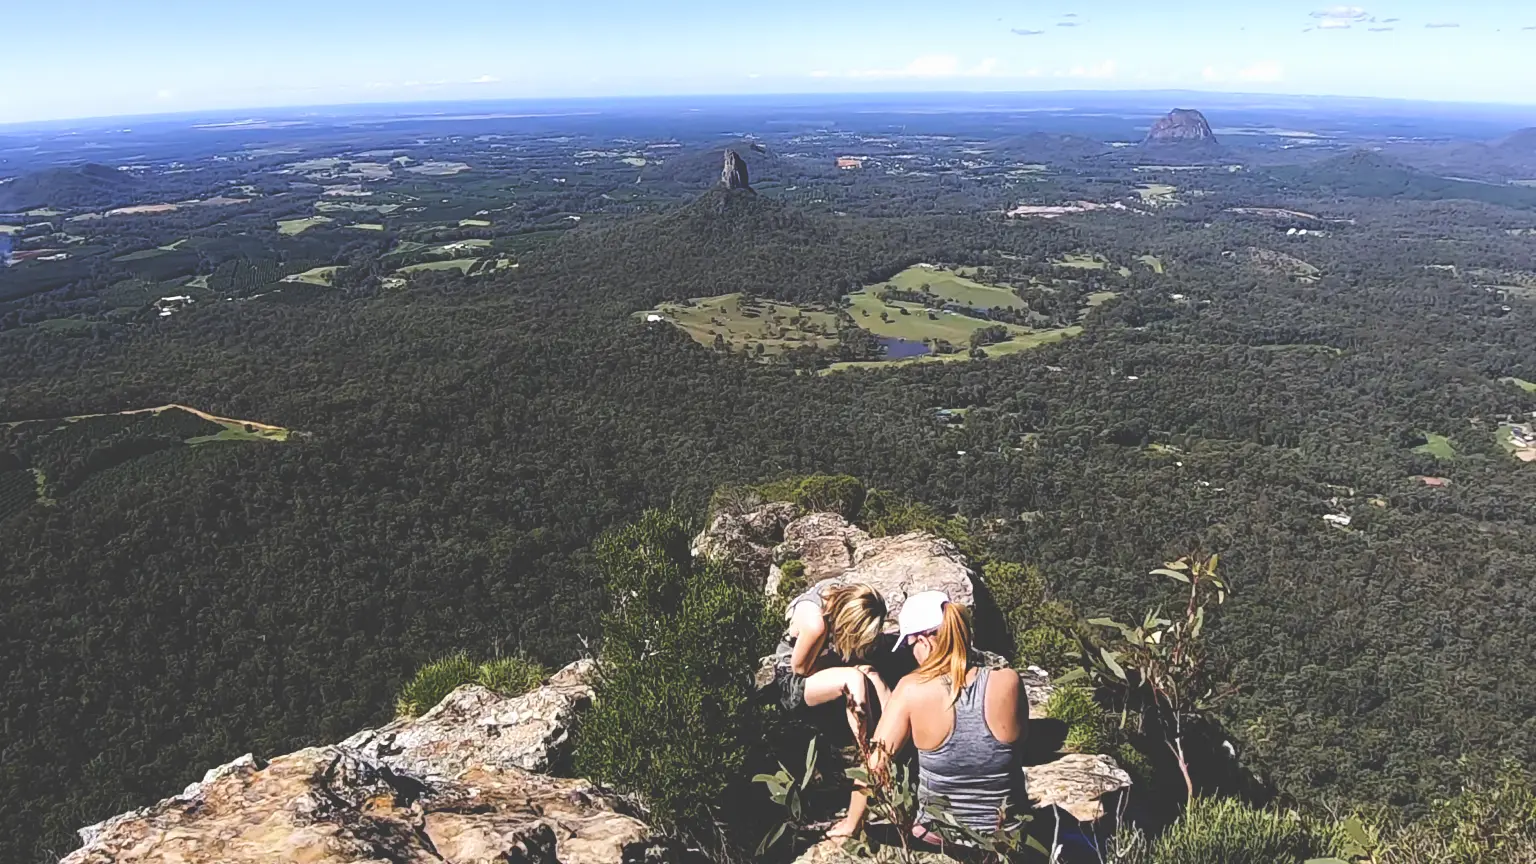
(855, 616)
(951, 653)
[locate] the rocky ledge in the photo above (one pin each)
(456, 785)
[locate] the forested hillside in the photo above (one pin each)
(458, 444)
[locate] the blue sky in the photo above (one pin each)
(78, 58)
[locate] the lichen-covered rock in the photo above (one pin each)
(474, 727)
(746, 540)
(450, 786)
(1076, 783)
(901, 566)
(321, 805)
(823, 542)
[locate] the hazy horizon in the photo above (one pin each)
(181, 56)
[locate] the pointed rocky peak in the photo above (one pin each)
(1180, 126)
(734, 174)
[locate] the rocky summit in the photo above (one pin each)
(1181, 125)
(470, 782)
(734, 175)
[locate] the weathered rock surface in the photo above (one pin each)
(474, 727)
(901, 566)
(823, 542)
(1181, 125)
(746, 540)
(734, 174)
(1077, 784)
(326, 805)
(455, 785)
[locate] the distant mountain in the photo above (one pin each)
(1369, 174)
(88, 185)
(1523, 141)
(1181, 126)
(693, 167)
(734, 174)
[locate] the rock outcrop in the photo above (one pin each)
(831, 548)
(901, 566)
(474, 727)
(1182, 125)
(746, 541)
(1076, 783)
(823, 542)
(327, 805)
(456, 785)
(734, 174)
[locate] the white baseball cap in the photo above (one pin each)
(923, 611)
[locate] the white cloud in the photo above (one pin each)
(1017, 31)
(164, 95)
(1441, 26)
(1346, 13)
(1211, 73)
(1339, 17)
(932, 66)
(486, 79)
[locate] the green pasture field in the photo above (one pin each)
(151, 253)
(1157, 194)
(1438, 446)
(955, 287)
(367, 226)
(1153, 262)
(291, 227)
(1083, 262)
(460, 264)
(321, 276)
(1527, 386)
(1016, 345)
(918, 324)
(474, 223)
(745, 323)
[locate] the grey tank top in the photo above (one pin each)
(974, 771)
(786, 642)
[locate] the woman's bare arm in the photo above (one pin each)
(810, 631)
(895, 728)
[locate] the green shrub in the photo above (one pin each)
(1085, 720)
(433, 682)
(886, 514)
(1040, 628)
(735, 499)
(511, 676)
(673, 716)
(1227, 831)
(819, 493)
(791, 582)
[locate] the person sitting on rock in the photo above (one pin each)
(967, 721)
(831, 628)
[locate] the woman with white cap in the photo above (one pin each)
(967, 721)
